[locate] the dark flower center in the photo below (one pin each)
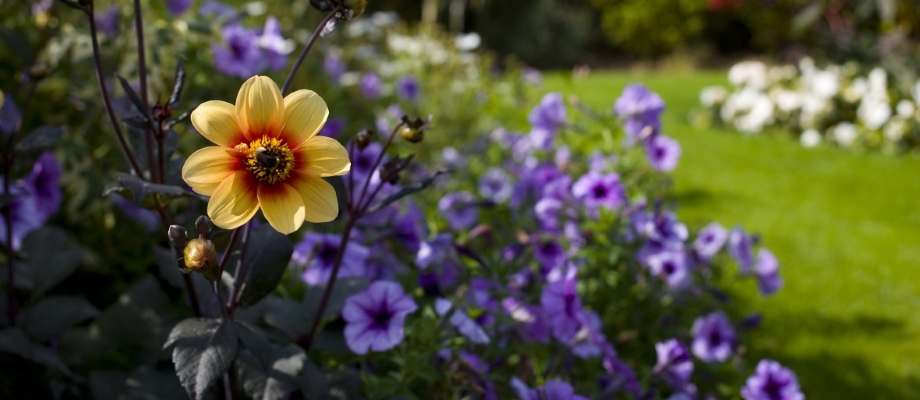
(326, 253)
(669, 268)
(715, 337)
(600, 191)
(773, 389)
(382, 317)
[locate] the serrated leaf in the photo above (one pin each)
(286, 315)
(40, 139)
(179, 83)
(256, 342)
(141, 189)
(267, 255)
(343, 289)
(50, 258)
(278, 381)
(204, 350)
(52, 315)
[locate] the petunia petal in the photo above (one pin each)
(216, 121)
(282, 206)
(319, 200)
(324, 156)
(234, 202)
(260, 108)
(206, 168)
(304, 114)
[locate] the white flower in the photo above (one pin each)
(786, 100)
(468, 42)
(845, 133)
(878, 80)
(810, 138)
(874, 111)
(751, 74)
(906, 109)
(713, 95)
(824, 84)
(895, 129)
(856, 90)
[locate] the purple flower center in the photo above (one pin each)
(715, 337)
(382, 317)
(600, 191)
(669, 267)
(773, 389)
(326, 253)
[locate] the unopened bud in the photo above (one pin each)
(177, 236)
(363, 138)
(411, 134)
(201, 256)
(203, 225)
(38, 72)
(391, 169)
(355, 6)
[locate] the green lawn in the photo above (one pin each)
(845, 226)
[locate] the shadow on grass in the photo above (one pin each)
(839, 375)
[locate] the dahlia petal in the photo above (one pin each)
(206, 168)
(319, 200)
(325, 157)
(282, 206)
(234, 202)
(216, 121)
(305, 114)
(259, 107)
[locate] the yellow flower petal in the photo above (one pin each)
(260, 108)
(324, 156)
(304, 114)
(282, 206)
(234, 202)
(216, 121)
(206, 168)
(319, 200)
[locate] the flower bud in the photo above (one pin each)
(203, 225)
(201, 256)
(177, 236)
(355, 6)
(411, 134)
(38, 72)
(363, 138)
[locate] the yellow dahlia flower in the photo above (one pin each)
(267, 156)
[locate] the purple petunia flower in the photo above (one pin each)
(144, 217)
(36, 198)
(408, 88)
(661, 227)
(739, 247)
(548, 210)
(375, 317)
(590, 340)
(333, 127)
(460, 320)
(496, 185)
(674, 363)
(334, 67)
(274, 47)
(371, 86)
(713, 337)
(622, 377)
(532, 320)
(709, 241)
(217, 9)
(242, 57)
(177, 7)
(662, 152)
(549, 254)
(767, 272)
(317, 253)
(438, 263)
(108, 21)
(598, 190)
(10, 116)
(553, 390)
(458, 209)
(641, 111)
(562, 306)
(598, 161)
(546, 119)
(772, 381)
(672, 266)
(409, 228)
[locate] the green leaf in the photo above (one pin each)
(52, 315)
(40, 139)
(256, 342)
(50, 257)
(278, 381)
(287, 316)
(204, 350)
(343, 289)
(141, 189)
(147, 383)
(135, 99)
(267, 255)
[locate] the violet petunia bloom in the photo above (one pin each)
(410, 228)
(621, 377)
(553, 390)
(640, 110)
(590, 340)
(438, 263)
(598, 190)
(739, 247)
(35, 199)
(334, 67)
(562, 306)
(549, 254)
(274, 47)
(376, 316)
(177, 7)
(459, 210)
(772, 381)
(662, 152)
(408, 88)
(767, 272)
(371, 86)
(333, 127)
(460, 320)
(242, 57)
(672, 266)
(218, 10)
(546, 119)
(108, 21)
(10, 116)
(548, 211)
(362, 162)
(713, 338)
(317, 253)
(709, 241)
(533, 324)
(674, 363)
(496, 185)
(661, 227)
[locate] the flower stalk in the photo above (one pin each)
(306, 49)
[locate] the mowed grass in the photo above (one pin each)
(845, 227)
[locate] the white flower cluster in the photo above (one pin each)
(835, 103)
